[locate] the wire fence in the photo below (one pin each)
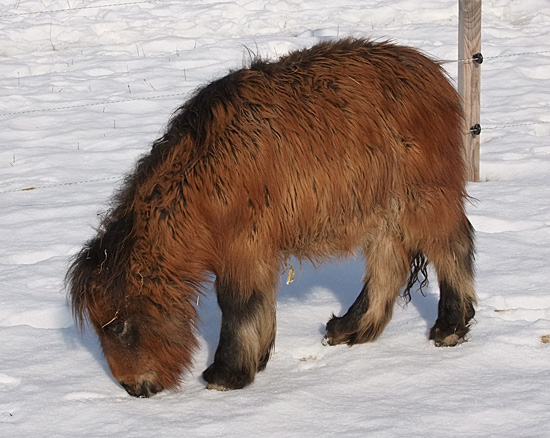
(90, 104)
(78, 8)
(509, 55)
(30, 188)
(169, 95)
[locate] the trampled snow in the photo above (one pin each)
(86, 86)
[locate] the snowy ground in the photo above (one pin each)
(85, 89)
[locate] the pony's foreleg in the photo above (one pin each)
(246, 338)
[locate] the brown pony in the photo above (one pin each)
(348, 145)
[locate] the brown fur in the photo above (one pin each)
(348, 145)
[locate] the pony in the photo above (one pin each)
(350, 145)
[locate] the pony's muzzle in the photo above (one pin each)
(143, 389)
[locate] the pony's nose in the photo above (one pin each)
(142, 390)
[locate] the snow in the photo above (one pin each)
(84, 91)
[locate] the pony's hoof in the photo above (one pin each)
(449, 341)
(215, 386)
(222, 378)
(448, 337)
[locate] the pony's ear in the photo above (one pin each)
(80, 282)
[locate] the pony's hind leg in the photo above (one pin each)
(388, 266)
(453, 262)
(247, 335)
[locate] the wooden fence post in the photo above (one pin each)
(469, 77)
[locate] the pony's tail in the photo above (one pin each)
(418, 274)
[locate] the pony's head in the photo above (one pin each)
(145, 325)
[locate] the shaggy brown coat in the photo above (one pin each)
(350, 145)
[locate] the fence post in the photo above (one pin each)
(469, 77)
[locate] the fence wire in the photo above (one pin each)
(84, 105)
(78, 8)
(49, 186)
(160, 96)
(510, 55)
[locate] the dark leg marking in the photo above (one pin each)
(453, 317)
(344, 329)
(246, 340)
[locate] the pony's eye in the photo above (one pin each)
(117, 328)
(122, 331)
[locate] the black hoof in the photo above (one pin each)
(448, 336)
(338, 332)
(222, 378)
(345, 330)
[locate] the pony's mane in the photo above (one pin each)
(188, 130)
(108, 253)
